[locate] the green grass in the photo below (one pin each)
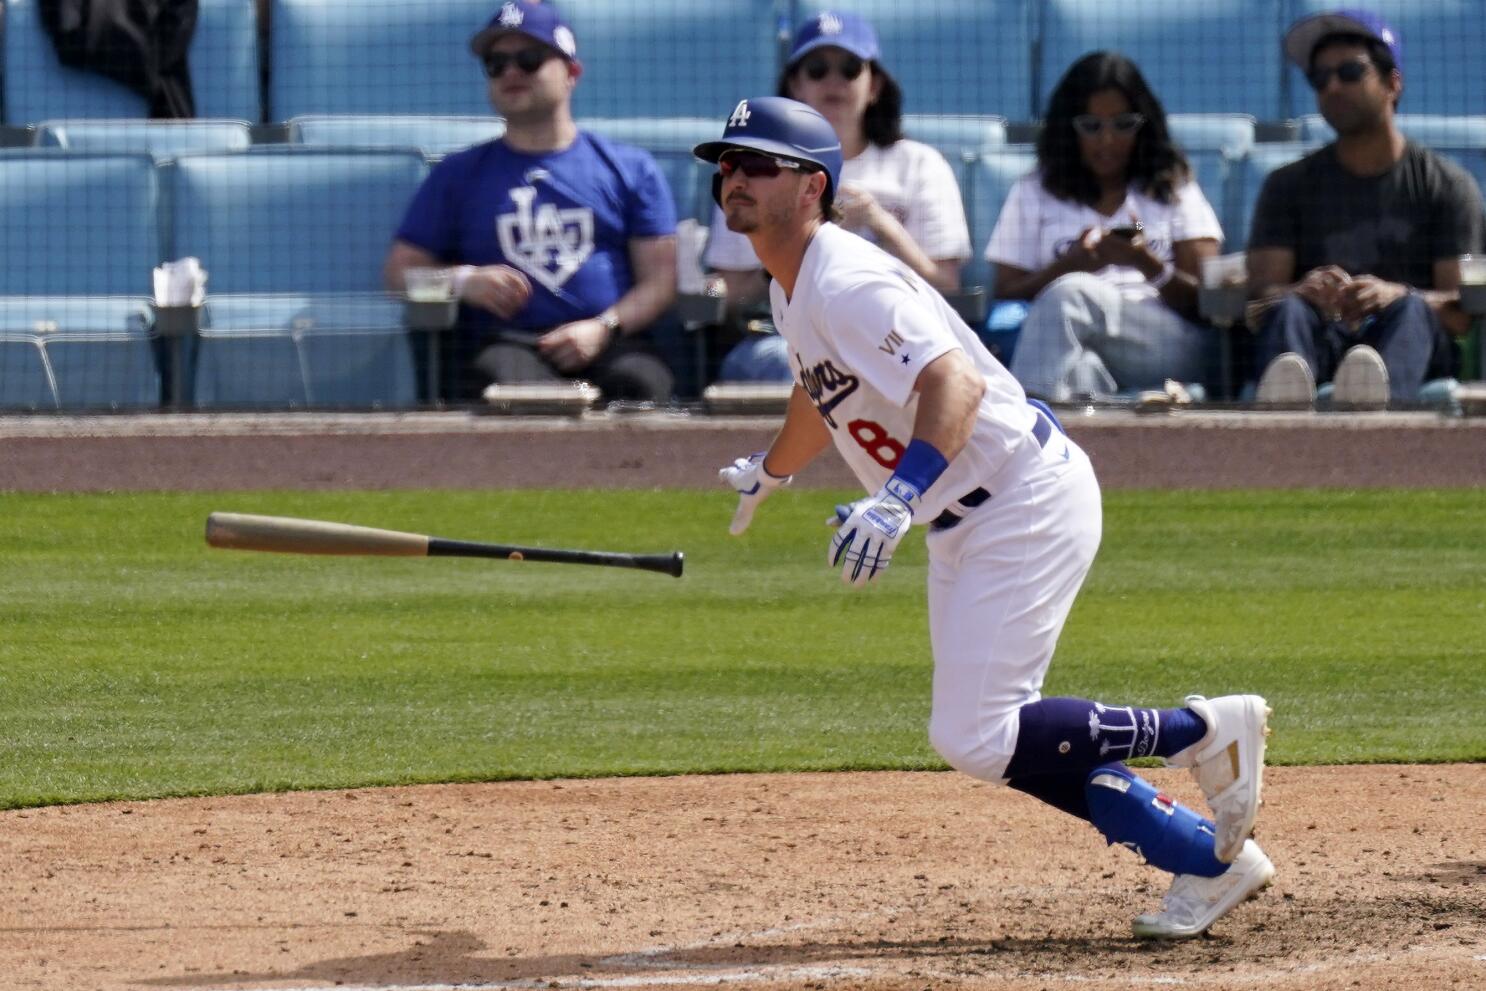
(136, 662)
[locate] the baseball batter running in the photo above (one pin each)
(944, 438)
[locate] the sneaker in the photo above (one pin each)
(1193, 903)
(1287, 382)
(1361, 380)
(1228, 764)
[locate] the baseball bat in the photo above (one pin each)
(289, 535)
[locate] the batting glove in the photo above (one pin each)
(870, 530)
(753, 484)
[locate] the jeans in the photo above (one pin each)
(1407, 334)
(1082, 337)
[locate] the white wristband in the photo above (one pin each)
(1168, 270)
(458, 276)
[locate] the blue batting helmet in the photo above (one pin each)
(783, 127)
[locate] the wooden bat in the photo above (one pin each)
(288, 535)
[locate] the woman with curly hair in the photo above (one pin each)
(1106, 238)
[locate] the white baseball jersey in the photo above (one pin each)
(860, 328)
(908, 179)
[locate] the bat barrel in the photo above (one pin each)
(667, 564)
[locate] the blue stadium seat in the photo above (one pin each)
(160, 138)
(1245, 180)
(992, 175)
(1442, 45)
(1211, 168)
(25, 375)
(1218, 56)
(76, 352)
(672, 57)
(1230, 133)
(1427, 129)
(954, 134)
(223, 60)
(961, 57)
(434, 136)
(376, 57)
(304, 351)
(77, 223)
(288, 219)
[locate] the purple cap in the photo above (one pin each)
(838, 29)
(1306, 33)
(538, 21)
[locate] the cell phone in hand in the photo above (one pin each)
(1126, 231)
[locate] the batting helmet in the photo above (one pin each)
(783, 127)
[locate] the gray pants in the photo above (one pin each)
(1083, 339)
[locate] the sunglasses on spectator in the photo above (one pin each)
(1350, 71)
(1092, 125)
(754, 165)
(817, 67)
(528, 60)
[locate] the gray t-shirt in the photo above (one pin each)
(1394, 226)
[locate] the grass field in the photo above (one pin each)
(138, 663)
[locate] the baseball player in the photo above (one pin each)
(943, 437)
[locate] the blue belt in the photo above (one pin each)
(1042, 432)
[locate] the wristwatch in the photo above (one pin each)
(610, 319)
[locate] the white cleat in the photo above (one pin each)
(1193, 903)
(1228, 764)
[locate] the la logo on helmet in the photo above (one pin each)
(740, 115)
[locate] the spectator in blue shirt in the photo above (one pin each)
(563, 243)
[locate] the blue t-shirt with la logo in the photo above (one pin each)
(562, 218)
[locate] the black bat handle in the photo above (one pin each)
(667, 564)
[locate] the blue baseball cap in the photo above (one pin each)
(780, 126)
(852, 32)
(538, 21)
(1305, 34)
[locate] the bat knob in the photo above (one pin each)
(678, 561)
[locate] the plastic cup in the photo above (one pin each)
(429, 285)
(1473, 270)
(1225, 271)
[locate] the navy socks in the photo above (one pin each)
(1066, 735)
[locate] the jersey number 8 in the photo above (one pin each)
(873, 438)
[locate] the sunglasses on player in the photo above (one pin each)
(754, 165)
(1092, 125)
(528, 60)
(817, 67)
(1350, 71)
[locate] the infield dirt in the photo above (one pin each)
(873, 881)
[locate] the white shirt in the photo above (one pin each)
(860, 328)
(1035, 228)
(908, 179)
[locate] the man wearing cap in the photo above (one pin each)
(563, 242)
(1355, 247)
(944, 438)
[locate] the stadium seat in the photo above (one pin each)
(668, 58)
(1218, 56)
(77, 353)
(160, 138)
(956, 134)
(656, 133)
(992, 174)
(223, 60)
(432, 135)
(1245, 180)
(964, 57)
(1230, 133)
(304, 351)
(1427, 129)
(1211, 168)
(376, 57)
(1442, 45)
(288, 219)
(77, 223)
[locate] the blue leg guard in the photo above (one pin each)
(1129, 811)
